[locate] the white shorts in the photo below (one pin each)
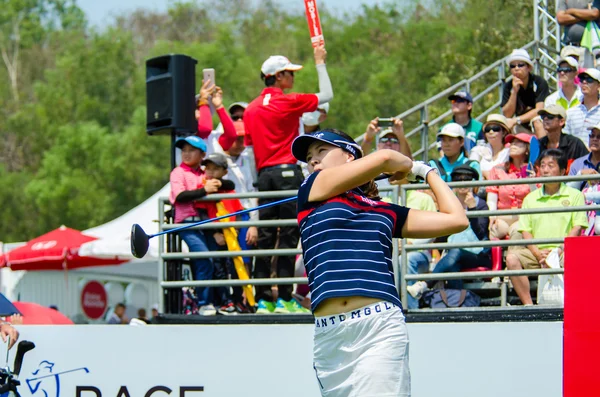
(363, 353)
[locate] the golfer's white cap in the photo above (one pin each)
(276, 64)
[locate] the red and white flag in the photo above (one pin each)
(314, 23)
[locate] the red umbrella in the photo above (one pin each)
(34, 314)
(56, 250)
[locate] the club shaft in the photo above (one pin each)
(260, 207)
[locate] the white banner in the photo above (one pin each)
(466, 359)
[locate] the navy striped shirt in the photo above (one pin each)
(347, 245)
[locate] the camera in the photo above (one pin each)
(385, 122)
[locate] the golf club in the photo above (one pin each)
(140, 241)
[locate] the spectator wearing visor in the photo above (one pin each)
(452, 137)
(554, 117)
(462, 105)
(524, 96)
(569, 94)
(586, 115)
(271, 122)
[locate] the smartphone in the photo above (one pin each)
(209, 74)
(385, 122)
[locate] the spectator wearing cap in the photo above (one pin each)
(588, 164)
(456, 259)
(525, 95)
(508, 197)
(311, 121)
(462, 105)
(452, 136)
(214, 139)
(272, 121)
(387, 138)
(574, 15)
(586, 115)
(188, 184)
(569, 94)
(236, 110)
(553, 163)
(155, 311)
(554, 118)
(494, 151)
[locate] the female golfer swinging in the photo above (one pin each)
(361, 342)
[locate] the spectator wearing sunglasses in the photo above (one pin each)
(452, 137)
(588, 164)
(494, 151)
(586, 115)
(569, 94)
(524, 96)
(574, 15)
(221, 138)
(462, 105)
(554, 118)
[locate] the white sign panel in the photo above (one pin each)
(467, 359)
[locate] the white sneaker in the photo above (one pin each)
(417, 289)
(207, 310)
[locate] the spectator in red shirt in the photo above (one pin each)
(272, 122)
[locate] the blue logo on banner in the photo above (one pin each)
(45, 382)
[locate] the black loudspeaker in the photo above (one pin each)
(170, 95)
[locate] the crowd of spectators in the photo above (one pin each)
(249, 151)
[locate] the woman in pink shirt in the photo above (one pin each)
(188, 183)
(509, 196)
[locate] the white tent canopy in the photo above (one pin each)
(114, 237)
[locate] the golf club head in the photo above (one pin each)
(139, 241)
(22, 348)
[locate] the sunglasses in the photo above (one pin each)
(592, 136)
(458, 100)
(587, 79)
(565, 70)
(495, 128)
(550, 117)
(236, 118)
(518, 65)
(390, 140)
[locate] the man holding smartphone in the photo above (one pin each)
(271, 123)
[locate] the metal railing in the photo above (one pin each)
(405, 277)
(399, 258)
(545, 48)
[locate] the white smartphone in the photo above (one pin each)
(209, 74)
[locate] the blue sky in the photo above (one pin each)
(100, 12)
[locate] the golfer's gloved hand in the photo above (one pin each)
(419, 171)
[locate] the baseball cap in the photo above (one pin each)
(386, 131)
(217, 159)
(593, 73)
(155, 307)
(324, 107)
(452, 129)
(461, 95)
(496, 119)
(193, 140)
(569, 60)
(301, 143)
(234, 105)
(519, 55)
(520, 136)
(278, 63)
(555, 110)
(570, 51)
